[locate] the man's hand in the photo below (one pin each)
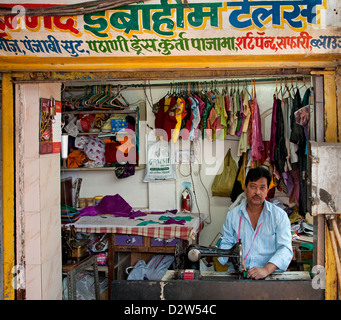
(261, 273)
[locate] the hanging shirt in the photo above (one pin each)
(180, 113)
(246, 110)
(205, 117)
(239, 114)
(273, 130)
(257, 139)
(196, 117)
(234, 116)
(270, 241)
(169, 119)
(252, 110)
(221, 120)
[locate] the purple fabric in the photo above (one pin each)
(118, 207)
(137, 213)
(113, 205)
(88, 211)
(172, 221)
(288, 182)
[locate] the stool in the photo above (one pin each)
(72, 269)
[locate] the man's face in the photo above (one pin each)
(256, 191)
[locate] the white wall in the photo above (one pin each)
(37, 197)
(166, 195)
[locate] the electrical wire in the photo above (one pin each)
(70, 9)
(193, 185)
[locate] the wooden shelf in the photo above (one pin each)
(99, 111)
(139, 167)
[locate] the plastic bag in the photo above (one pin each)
(85, 122)
(155, 269)
(223, 183)
(159, 164)
(85, 286)
(95, 150)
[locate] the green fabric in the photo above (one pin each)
(144, 223)
(66, 207)
(188, 218)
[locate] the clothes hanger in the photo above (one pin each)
(292, 89)
(246, 89)
(101, 97)
(79, 102)
(118, 100)
(254, 88)
(102, 100)
(304, 84)
(92, 99)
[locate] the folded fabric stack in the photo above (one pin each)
(69, 214)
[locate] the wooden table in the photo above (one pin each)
(141, 237)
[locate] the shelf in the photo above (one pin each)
(98, 111)
(139, 167)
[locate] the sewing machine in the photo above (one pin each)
(189, 258)
(213, 285)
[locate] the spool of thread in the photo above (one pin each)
(89, 201)
(81, 203)
(97, 200)
(65, 145)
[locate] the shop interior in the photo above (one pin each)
(109, 130)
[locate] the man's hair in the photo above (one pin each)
(255, 174)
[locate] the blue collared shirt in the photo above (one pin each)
(272, 243)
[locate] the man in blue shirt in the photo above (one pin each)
(264, 229)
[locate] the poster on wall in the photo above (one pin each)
(178, 28)
(50, 126)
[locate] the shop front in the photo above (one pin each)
(120, 64)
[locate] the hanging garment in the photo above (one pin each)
(285, 111)
(201, 104)
(257, 145)
(234, 117)
(228, 112)
(241, 117)
(221, 117)
(211, 124)
(302, 115)
(205, 117)
(246, 110)
(201, 107)
(158, 110)
(243, 144)
(295, 194)
(187, 121)
(212, 117)
(180, 113)
(165, 119)
(196, 117)
(252, 111)
(280, 151)
(273, 130)
(293, 147)
(297, 132)
(298, 136)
